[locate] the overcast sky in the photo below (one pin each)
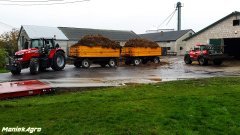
(136, 15)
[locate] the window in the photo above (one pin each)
(190, 34)
(236, 22)
(181, 48)
(168, 48)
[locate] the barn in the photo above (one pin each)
(224, 32)
(172, 41)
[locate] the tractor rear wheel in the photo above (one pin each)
(34, 66)
(187, 59)
(59, 61)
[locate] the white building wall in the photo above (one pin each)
(224, 29)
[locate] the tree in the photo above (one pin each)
(8, 41)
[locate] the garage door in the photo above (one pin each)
(232, 47)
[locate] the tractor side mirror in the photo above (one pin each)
(57, 46)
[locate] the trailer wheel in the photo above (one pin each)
(86, 63)
(112, 63)
(34, 66)
(187, 59)
(17, 71)
(156, 60)
(217, 61)
(202, 61)
(59, 61)
(136, 61)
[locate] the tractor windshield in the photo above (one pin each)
(36, 43)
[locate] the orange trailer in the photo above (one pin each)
(136, 55)
(84, 56)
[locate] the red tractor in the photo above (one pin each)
(42, 54)
(205, 53)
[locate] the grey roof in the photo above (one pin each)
(117, 35)
(164, 36)
(43, 32)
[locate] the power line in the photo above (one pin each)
(42, 4)
(170, 16)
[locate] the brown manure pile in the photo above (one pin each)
(97, 40)
(141, 43)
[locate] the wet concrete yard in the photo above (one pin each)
(171, 68)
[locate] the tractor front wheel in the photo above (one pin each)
(34, 66)
(59, 61)
(17, 70)
(203, 61)
(187, 59)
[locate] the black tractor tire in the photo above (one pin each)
(187, 59)
(112, 63)
(77, 64)
(86, 63)
(217, 61)
(17, 71)
(156, 60)
(136, 61)
(59, 61)
(202, 61)
(34, 66)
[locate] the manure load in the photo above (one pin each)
(138, 51)
(95, 49)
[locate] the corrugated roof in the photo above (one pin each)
(117, 35)
(215, 23)
(43, 32)
(164, 36)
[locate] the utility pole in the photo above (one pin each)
(178, 7)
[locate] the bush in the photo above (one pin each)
(3, 56)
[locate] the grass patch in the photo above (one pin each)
(206, 106)
(3, 70)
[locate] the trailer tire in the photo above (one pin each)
(136, 61)
(112, 63)
(34, 66)
(86, 63)
(59, 61)
(156, 60)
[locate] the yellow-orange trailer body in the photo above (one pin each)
(95, 51)
(141, 51)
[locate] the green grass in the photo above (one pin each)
(207, 106)
(3, 70)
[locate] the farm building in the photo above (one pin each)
(28, 32)
(66, 36)
(170, 40)
(225, 32)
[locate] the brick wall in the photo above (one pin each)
(224, 29)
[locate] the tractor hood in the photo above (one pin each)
(25, 51)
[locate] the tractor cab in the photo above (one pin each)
(43, 45)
